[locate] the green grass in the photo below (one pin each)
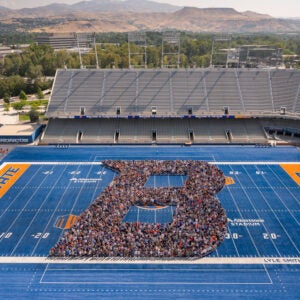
(6, 106)
(37, 103)
(23, 117)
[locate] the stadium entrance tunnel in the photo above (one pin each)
(131, 218)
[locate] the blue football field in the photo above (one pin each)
(44, 189)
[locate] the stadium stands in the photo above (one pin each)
(173, 92)
(111, 131)
(164, 131)
(145, 106)
(284, 88)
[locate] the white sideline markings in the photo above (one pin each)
(117, 260)
(100, 163)
(55, 163)
(252, 163)
(161, 283)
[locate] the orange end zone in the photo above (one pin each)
(292, 170)
(9, 174)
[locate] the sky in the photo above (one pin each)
(275, 8)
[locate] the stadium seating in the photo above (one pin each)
(189, 92)
(284, 87)
(222, 90)
(174, 92)
(171, 106)
(162, 131)
(256, 91)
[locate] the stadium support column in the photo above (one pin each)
(137, 50)
(96, 53)
(84, 42)
(220, 50)
(170, 49)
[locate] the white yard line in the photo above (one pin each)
(81, 188)
(19, 193)
(50, 218)
(53, 214)
(26, 204)
(229, 231)
(253, 206)
(246, 228)
(44, 273)
(288, 190)
(276, 217)
(99, 182)
(37, 211)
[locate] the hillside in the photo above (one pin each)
(133, 15)
(71, 6)
(18, 4)
(226, 20)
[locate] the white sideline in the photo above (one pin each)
(51, 163)
(117, 260)
(100, 163)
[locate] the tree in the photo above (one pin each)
(23, 95)
(48, 64)
(15, 85)
(6, 98)
(19, 105)
(34, 71)
(39, 94)
(4, 89)
(33, 115)
(62, 57)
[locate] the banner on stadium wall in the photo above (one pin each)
(21, 139)
(172, 117)
(11, 139)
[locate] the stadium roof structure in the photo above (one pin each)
(174, 93)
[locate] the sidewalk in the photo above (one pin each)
(8, 117)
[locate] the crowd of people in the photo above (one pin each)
(3, 151)
(198, 226)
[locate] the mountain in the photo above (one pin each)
(4, 9)
(120, 6)
(18, 4)
(226, 20)
(52, 10)
(91, 5)
(135, 15)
